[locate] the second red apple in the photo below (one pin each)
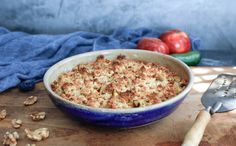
(177, 41)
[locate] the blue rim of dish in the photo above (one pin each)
(128, 110)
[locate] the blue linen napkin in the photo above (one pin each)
(24, 58)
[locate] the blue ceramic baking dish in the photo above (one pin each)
(119, 118)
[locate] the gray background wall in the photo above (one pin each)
(213, 21)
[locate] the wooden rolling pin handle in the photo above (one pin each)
(194, 135)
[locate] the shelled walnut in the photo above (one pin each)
(16, 123)
(3, 114)
(30, 100)
(10, 139)
(38, 134)
(37, 116)
(30, 144)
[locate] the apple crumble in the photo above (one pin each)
(118, 83)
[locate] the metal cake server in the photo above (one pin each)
(219, 97)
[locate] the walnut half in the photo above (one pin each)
(30, 100)
(37, 116)
(38, 134)
(30, 144)
(3, 114)
(16, 123)
(10, 139)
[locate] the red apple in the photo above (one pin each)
(177, 41)
(153, 44)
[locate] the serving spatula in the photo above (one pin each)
(219, 97)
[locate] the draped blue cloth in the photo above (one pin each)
(24, 58)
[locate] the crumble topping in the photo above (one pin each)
(119, 83)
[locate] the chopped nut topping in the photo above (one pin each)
(10, 139)
(38, 134)
(118, 83)
(30, 144)
(37, 116)
(30, 100)
(136, 103)
(3, 114)
(121, 56)
(100, 57)
(16, 123)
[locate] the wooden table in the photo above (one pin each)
(64, 131)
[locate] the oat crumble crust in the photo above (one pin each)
(119, 83)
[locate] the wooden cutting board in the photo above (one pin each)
(64, 131)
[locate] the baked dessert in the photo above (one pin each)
(118, 83)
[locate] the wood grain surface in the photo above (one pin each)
(65, 131)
